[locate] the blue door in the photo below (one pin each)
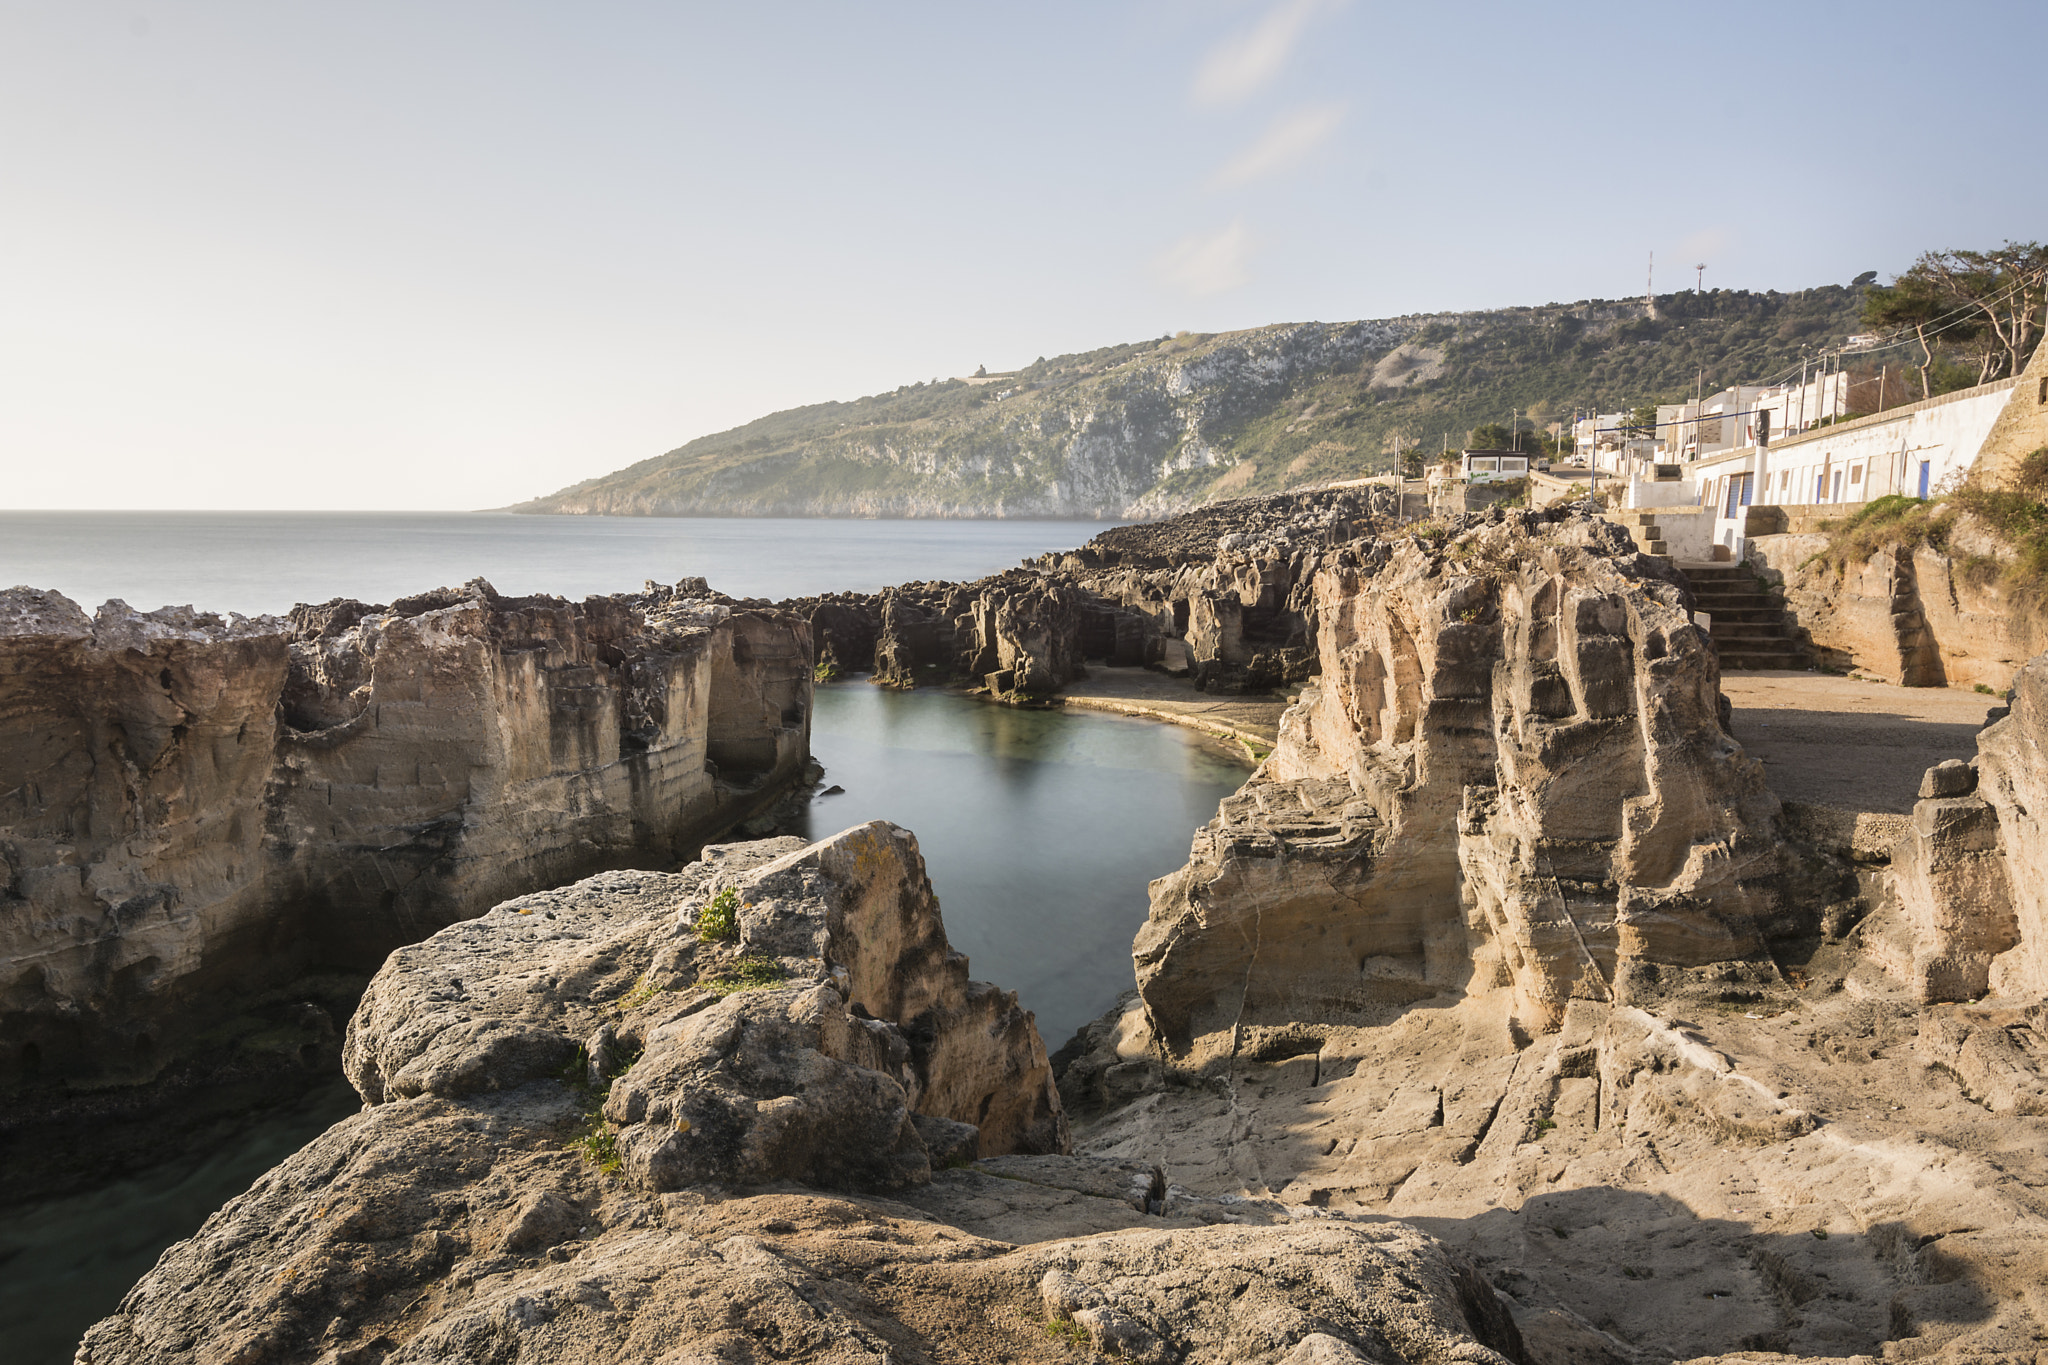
(1923, 476)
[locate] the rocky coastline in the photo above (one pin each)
(1504, 1014)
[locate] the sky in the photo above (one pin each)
(278, 254)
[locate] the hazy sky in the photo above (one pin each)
(443, 254)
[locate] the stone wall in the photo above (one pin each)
(193, 811)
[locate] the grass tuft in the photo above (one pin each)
(746, 974)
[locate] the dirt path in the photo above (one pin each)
(1857, 745)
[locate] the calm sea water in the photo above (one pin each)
(255, 562)
(1040, 828)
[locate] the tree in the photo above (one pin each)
(2002, 292)
(1643, 421)
(1492, 436)
(1910, 301)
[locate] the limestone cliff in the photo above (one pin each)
(1511, 773)
(1972, 913)
(1918, 616)
(194, 810)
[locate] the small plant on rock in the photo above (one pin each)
(598, 1143)
(746, 974)
(720, 919)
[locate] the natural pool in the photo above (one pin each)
(1040, 830)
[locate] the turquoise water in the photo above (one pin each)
(255, 562)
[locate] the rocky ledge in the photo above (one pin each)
(600, 1125)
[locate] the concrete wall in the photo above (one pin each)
(1881, 454)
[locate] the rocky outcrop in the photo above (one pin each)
(1972, 870)
(1920, 618)
(1510, 774)
(585, 1117)
(1223, 592)
(194, 811)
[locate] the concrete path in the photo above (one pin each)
(1251, 721)
(1855, 745)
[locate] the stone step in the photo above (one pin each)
(1736, 601)
(1653, 547)
(1741, 614)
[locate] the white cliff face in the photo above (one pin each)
(198, 810)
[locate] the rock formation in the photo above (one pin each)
(1511, 772)
(194, 811)
(833, 1042)
(1508, 940)
(1972, 913)
(1223, 590)
(1919, 617)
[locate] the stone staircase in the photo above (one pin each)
(1748, 622)
(1641, 524)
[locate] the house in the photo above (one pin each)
(1918, 449)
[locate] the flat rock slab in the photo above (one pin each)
(1860, 746)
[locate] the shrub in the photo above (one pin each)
(720, 919)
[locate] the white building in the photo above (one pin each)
(1728, 420)
(1920, 449)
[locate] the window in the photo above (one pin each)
(1855, 475)
(1820, 486)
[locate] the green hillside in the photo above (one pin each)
(1151, 427)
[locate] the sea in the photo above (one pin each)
(1040, 829)
(266, 562)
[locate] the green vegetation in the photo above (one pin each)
(2017, 515)
(720, 919)
(642, 992)
(596, 1139)
(598, 1142)
(1063, 1329)
(1324, 402)
(746, 974)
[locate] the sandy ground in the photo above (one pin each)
(1856, 745)
(1254, 721)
